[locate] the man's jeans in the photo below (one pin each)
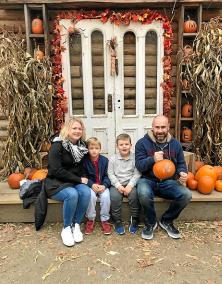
(116, 204)
(168, 189)
(104, 198)
(75, 203)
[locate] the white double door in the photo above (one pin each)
(115, 119)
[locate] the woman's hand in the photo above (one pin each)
(84, 180)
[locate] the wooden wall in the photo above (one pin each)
(14, 19)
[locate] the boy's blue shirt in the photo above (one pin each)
(91, 171)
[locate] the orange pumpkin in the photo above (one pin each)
(218, 170)
(190, 175)
(186, 135)
(206, 184)
(40, 174)
(218, 185)
(187, 110)
(206, 170)
(14, 180)
(37, 26)
(164, 169)
(192, 184)
(190, 26)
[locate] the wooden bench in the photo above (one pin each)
(202, 207)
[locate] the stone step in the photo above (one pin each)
(202, 207)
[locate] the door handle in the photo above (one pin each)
(110, 102)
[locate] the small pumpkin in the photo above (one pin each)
(37, 26)
(40, 174)
(190, 26)
(190, 175)
(206, 170)
(192, 184)
(218, 170)
(206, 184)
(186, 135)
(218, 185)
(14, 180)
(187, 110)
(164, 169)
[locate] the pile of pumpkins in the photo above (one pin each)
(29, 173)
(206, 179)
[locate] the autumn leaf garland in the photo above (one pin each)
(118, 18)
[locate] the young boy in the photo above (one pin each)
(96, 170)
(123, 176)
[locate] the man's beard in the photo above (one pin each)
(161, 138)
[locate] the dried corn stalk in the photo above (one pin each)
(26, 98)
(203, 69)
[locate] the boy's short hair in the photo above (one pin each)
(123, 136)
(93, 141)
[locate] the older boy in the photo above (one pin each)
(123, 176)
(96, 170)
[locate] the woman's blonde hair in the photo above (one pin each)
(64, 133)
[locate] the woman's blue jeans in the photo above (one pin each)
(75, 203)
(172, 190)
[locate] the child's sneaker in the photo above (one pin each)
(106, 228)
(134, 225)
(89, 227)
(67, 237)
(77, 234)
(119, 229)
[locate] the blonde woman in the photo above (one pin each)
(66, 179)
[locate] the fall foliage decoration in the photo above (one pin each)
(144, 17)
(205, 184)
(37, 26)
(202, 69)
(190, 26)
(40, 174)
(38, 54)
(14, 180)
(26, 93)
(164, 169)
(114, 60)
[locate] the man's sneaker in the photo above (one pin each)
(106, 228)
(147, 232)
(89, 227)
(134, 225)
(67, 237)
(119, 229)
(77, 234)
(170, 229)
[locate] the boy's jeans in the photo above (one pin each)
(168, 189)
(104, 205)
(75, 203)
(116, 204)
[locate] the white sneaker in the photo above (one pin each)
(77, 234)
(67, 237)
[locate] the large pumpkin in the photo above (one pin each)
(37, 26)
(14, 180)
(218, 185)
(192, 184)
(164, 169)
(190, 26)
(206, 184)
(206, 170)
(40, 174)
(218, 170)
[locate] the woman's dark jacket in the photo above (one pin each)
(62, 170)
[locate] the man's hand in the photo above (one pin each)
(101, 188)
(84, 180)
(95, 187)
(183, 177)
(158, 156)
(127, 190)
(121, 189)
